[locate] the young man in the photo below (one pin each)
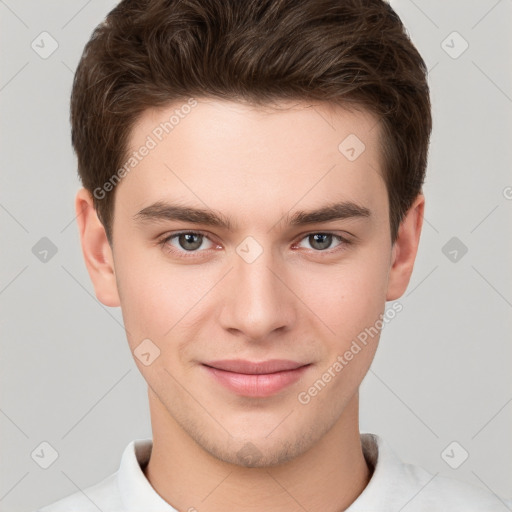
(252, 175)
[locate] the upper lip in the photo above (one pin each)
(254, 367)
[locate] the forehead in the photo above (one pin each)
(286, 125)
(223, 153)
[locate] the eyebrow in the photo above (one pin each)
(161, 211)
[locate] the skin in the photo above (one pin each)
(296, 301)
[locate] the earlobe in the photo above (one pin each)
(96, 250)
(405, 249)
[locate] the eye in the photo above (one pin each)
(186, 241)
(322, 241)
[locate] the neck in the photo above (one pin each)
(328, 477)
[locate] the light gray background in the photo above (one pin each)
(442, 372)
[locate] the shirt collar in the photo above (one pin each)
(390, 477)
(136, 491)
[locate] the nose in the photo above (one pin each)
(258, 301)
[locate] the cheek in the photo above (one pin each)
(348, 298)
(350, 306)
(144, 296)
(157, 298)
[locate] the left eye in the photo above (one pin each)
(322, 241)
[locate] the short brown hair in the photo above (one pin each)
(149, 53)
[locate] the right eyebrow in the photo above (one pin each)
(165, 211)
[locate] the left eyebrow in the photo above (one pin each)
(165, 211)
(335, 211)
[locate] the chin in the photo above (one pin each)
(257, 452)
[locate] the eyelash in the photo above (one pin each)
(164, 243)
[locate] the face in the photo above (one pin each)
(255, 276)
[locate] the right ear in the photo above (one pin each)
(96, 249)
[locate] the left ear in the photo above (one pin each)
(405, 249)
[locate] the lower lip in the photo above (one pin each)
(263, 385)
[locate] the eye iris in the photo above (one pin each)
(185, 239)
(324, 239)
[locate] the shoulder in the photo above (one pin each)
(126, 485)
(101, 496)
(396, 485)
(439, 493)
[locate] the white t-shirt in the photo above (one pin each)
(394, 486)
